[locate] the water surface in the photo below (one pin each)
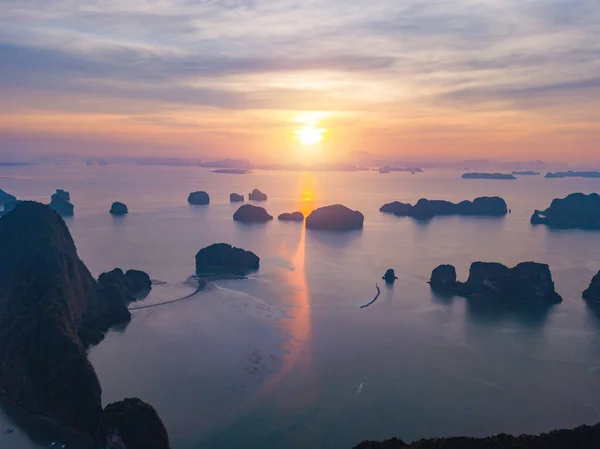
(276, 360)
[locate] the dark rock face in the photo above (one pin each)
(443, 278)
(482, 206)
(583, 437)
(573, 174)
(390, 276)
(131, 424)
(257, 195)
(294, 216)
(62, 206)
(118, 208)
(335, 218)
(577, 210)
(45, 292)
(199, 198)
(62, 194)
(223, 258)
(592, 293)
(251, 214)
(236, 198)
(6, 197)
(503, 176)
(528, 280)
(51, 308)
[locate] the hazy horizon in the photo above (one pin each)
(301, 81)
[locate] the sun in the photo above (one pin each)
(309, 130)
(309, 134)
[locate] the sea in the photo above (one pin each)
(287, 358)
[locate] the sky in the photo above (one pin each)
(404, 79)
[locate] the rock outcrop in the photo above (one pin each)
(529, 281)
(133, 284)
(236, 198)
(573, 174)
(482, 206)
(577, 210)
(592, 293)
(251, 214)
(222, 258)
(293, 216)
(390, 276)
(131, 424)
(62, 206)
(583, 437)
(396, 208)
(502, 176)
(335, 218)
(257, 195)
(6, 197)
(443, 278)
(51, 309)
(118, 208)
(199, 198)
(61, 194)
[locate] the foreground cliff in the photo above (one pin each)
(51, 308)
(584, 437)
(45, 292)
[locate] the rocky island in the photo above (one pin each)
(390, 276)
(257, 195)
(527, 281)
(231, 171)
(236, 198)
(118, 208)
(592, 293)
(59, 201)
(572, 174)
(6, 197)
(335, 218)
(223, 259)
(424, 208)
(251, 214)
(577, 210)
(526, 173)
(51, 309)
(388, 169)
(501, 176)
(293, 216)
(199, 199)
(61, 194)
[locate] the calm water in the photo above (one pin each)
(276, 360)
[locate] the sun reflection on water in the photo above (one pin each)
(297, 327)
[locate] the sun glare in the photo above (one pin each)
(308, 135)
(308, 132)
